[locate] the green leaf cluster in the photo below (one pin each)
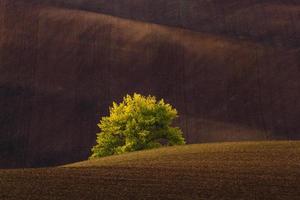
(137, 123)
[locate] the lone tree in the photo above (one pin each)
(137, 123)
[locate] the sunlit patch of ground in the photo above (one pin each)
(247, 170)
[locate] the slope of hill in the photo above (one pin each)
(272, 22)
(249, 170)
(62, 68)
(201, 155)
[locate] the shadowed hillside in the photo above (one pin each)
(272, 22)
(61, 69)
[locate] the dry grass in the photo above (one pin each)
(249, 170)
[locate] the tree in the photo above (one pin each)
(137, 123)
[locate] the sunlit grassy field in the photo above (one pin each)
(247, 170)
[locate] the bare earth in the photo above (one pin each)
(247, 170)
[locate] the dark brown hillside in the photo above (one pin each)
(62, 68)
(273, 22)
(227, 171)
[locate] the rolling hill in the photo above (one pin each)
(62, 65)
(247, 170)
(272, 22)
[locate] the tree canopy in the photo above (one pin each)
(137, 123)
